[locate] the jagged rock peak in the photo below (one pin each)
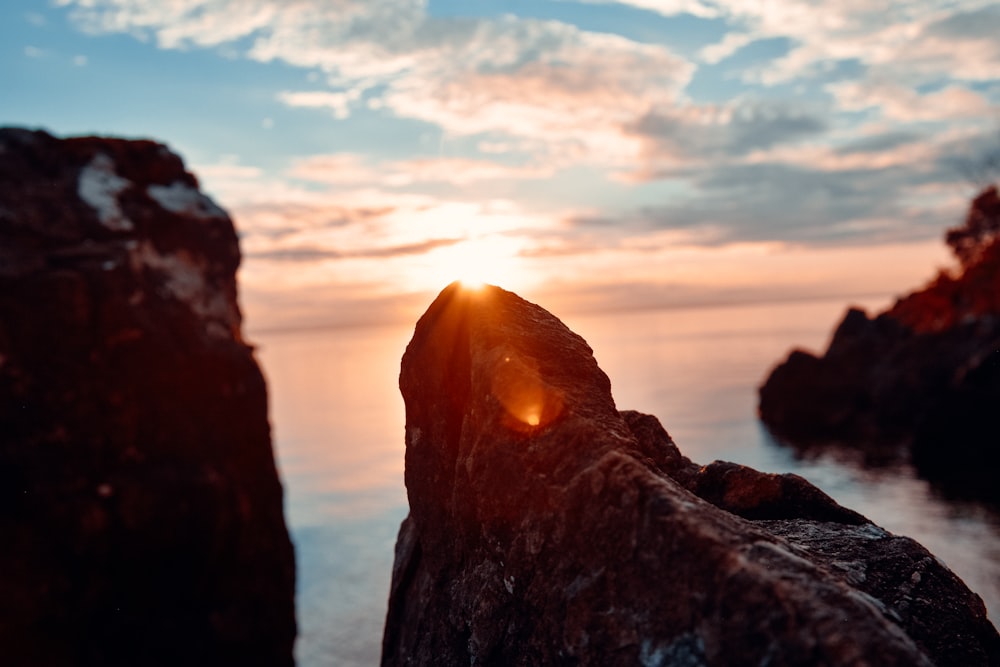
(546, 527)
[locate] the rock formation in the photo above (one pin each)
(921, 379)
(140, 508)
(546, 528)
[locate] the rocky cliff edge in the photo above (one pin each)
(919, 381)
(140, 509)
(547, 527)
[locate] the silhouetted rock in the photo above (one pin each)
(546, 527)
(140, 509)
(921, 380)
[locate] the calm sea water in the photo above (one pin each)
(338, 426)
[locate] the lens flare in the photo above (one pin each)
(529, 402)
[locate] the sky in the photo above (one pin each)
(590, 155)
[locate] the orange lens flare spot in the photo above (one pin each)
(528, 401)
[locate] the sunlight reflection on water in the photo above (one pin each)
(338, 427)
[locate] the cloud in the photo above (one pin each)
(768, 201)
(344, 169)
(978, 24)
(280, 220)
(339, 103)
(587, 237)
(909, 42)
(664, 7)
(879, 146)
(177, 23)
(901, 103)
(396, 42)
(848, 203)
(730, 44)
(961, 45)
(542, 80)
(355, 169)
(545, 81)
(680, 136)
(316, 253)
(363, 229)
(296, 255)
(879, 143)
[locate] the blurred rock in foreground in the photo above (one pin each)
(140, 509)
(548, 528)
(921, 379)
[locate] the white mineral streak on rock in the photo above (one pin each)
(99, 187)
(186, 279)
(687, 650)
(871, 532)
(182, 199)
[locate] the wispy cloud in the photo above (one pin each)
(339, 103)
(354, 169)
(315, 253)
(665, 7)
(901, 103)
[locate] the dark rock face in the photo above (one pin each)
(140, 508)
(546, 527)
(920, 381)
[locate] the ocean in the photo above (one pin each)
(337, 421)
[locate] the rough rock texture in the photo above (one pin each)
(140, 509)
(920, 380)
(546, 528)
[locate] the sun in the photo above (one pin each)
(477, 262)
